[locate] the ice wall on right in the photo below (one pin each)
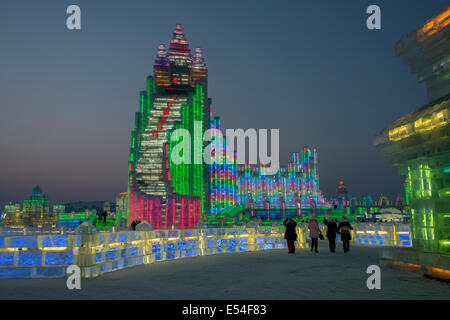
(418, 143)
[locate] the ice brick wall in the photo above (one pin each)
(396, 235)
(34, 256)
(47, 256)
(107, 252)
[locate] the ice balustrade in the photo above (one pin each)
(47, 256)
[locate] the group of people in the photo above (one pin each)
(333, 228)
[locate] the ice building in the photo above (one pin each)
(160, 191)
(418, 143)
(35, 211)
(291, 184)
(244, 186)
(166, 193)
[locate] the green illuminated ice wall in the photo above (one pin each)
(429, 196)
(188, 179)
(419, 142)
(141, 119)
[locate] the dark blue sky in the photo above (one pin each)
(309, 68)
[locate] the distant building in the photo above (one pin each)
(342, 195)
(82, 206)
(399, 203)
(13, 214)
(107, 207)
(58, 210)
(36, 207)
(35, 211)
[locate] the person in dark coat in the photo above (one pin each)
(290, 235)
(344, 229)
(332, 228)
(133, 225)
(314, 232)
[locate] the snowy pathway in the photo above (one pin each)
(269, 274)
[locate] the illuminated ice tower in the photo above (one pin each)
(310, 175)
(419, 142)
(161, 192)
(223, 176)
(342, 195)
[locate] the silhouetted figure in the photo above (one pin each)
(314, 231)
(331, 232)
(133, 225)
(105, 214)
(290, 235)
(344, 229)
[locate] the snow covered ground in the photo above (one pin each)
(271, 274)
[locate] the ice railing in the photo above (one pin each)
(35, 256)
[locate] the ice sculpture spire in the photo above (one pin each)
(199, 61)
(161, 58)
(179, 51)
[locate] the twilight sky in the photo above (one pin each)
(310, 68)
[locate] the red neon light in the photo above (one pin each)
(166, 112)
(175, 80)
(173, 211)
(163, 119)
(189, 210)
(183, 209)
(150, 211)
(159, 126)
(169, 104)
(174, 97)
(167, 214)
(154, 133)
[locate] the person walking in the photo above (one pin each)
(290, 235)
(133, 225)
(344, 229)
(331, 232)
(314, 232)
